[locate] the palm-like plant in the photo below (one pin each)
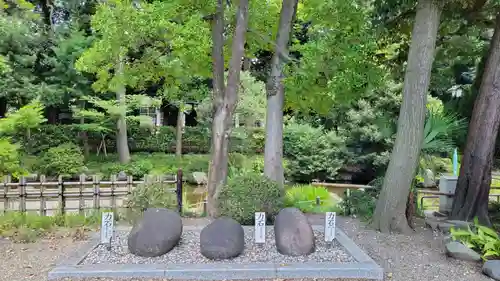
(439, 129)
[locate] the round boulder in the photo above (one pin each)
(158, 232)
(224, 238)
(293, 233)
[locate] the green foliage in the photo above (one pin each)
(142, 139)
(439, 129)
(480, 238)
(337, 61)
(24, 119)
(247, 193)
(137, 169)
(312, 153)
(359, 203)
(65, 159)
(251, 107)
(149, 195)
(21, 41)
(9, 159)
(29, 227)
(304, 197)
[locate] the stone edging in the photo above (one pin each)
(363, 268)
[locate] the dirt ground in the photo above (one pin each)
(405, 258)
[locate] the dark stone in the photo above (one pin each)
(158, 232)
(224, 238)
(459, 251)
(492, 269)
(293, 233)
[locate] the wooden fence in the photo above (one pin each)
(48, 196)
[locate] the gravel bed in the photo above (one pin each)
(187, 252)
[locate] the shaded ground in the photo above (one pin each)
(405, 258)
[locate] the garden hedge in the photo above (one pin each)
(161, 139)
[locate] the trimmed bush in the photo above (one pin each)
(312, 153)
(248, 193)
(65, 159)
(149, 195)
(161, 139)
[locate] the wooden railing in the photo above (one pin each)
(86, 193)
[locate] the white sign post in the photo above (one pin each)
(330, 221)
(107, 225)
(260, 227)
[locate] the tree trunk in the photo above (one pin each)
(180, 124)
(391, 206)
(121, 123)
(225, 98)
(273, 151)
(473, 186)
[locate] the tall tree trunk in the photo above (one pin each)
(273, 151)
(473, 187)
(391, 206)
(121, 123)
(225, 98)
(180, 124)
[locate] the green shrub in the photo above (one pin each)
(149, 195)
(359, 203)
(311, 152)
(248, 193)
(304, 197)
(65, 159)
(161, 139)
(9, 159)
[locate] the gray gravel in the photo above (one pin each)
(419, 257)
(188, 252)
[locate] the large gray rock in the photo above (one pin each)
(156, 233)
(293, 233)
(429, 178)
(492, 269)
(224, 238)
(200, 178)
(459, 251)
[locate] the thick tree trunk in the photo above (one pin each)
(121, 123)
(180, 124)
(224, 98)
(273, 151)
(391, 206)
(473, 187)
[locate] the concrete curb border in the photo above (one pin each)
(363, 268)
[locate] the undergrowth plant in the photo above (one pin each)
(29, 227)
(304, 198)
(481, 239)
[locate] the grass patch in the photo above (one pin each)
(29, 227)
(303, 197)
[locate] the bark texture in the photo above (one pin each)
(224, 99)
(391, 206)
(121, 123)
(178, 135)
(473, 187)
(273, 151)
